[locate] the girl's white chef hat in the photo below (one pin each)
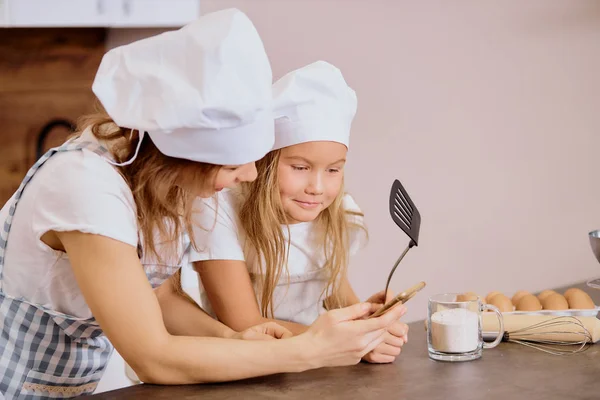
(202, 93)
(313, 103)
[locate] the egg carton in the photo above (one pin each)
(590, 312)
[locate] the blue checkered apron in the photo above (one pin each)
(44, 353)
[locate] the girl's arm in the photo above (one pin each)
(229, 288)
(117, 291)
(184, 318)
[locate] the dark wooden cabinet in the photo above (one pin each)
(45, 74)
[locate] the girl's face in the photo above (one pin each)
(310, 178)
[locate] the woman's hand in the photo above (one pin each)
(343, 336)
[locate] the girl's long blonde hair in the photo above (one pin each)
(164, 207)
(262, 218)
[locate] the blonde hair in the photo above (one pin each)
(262, 216)
(157, 182)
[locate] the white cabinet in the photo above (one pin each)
(58, 13)
(99, 13)
(156, 13)
(3, 14)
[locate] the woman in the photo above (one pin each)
(100, 221)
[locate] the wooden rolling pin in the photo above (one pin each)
(566, 332)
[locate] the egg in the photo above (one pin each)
(502, 302)
(468, 296)
(571, 291)
(517, 296)
(580, 300)
(555, 301)
(529, 303)
(545, 293)
(491, 294)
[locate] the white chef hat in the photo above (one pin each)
(203, 92)
(313, 103)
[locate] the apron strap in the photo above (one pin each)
(70, 145)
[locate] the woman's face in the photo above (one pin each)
(229, 176)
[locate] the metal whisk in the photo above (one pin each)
(554, 336)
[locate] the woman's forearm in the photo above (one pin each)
(188, 360)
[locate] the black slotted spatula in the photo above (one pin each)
(405, 214)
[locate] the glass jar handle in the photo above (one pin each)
(500, 321)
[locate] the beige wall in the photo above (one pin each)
(486, 111)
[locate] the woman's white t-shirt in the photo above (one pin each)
(73, 191)
(221, 237)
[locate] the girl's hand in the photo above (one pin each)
(266, 331)
(379, 299)
(395, 338)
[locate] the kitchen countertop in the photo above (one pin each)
(510, 371)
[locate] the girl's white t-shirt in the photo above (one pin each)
(219, 236)
(73, 191)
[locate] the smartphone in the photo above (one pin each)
(402, 298)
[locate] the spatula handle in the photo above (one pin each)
(387, 285)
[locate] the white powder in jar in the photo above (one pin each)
(455, 330)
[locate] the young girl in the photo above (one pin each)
(287, 237)
(72, 284)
